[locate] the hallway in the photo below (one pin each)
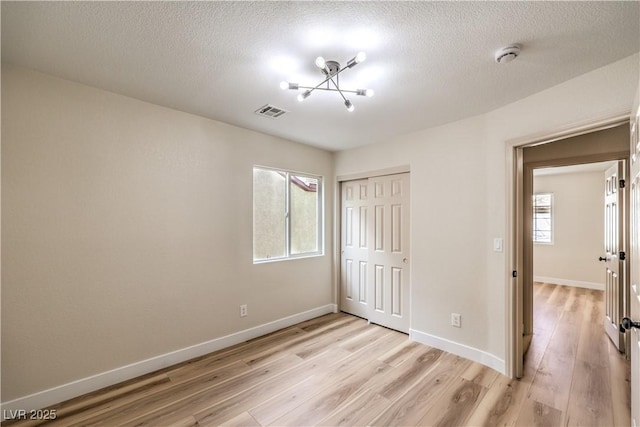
(577, 377)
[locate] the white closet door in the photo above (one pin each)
(375, 250)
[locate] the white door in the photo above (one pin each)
(375, 250)
(614, 265)
(355, 248)
(389, 253)
(634, 303)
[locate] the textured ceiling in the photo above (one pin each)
(429, 62)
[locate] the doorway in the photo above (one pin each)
(578, 222)
(605, 141)
(570, 350)
(375, 249)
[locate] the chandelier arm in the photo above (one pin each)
(322, 82)
(328, 78)
(338, 88)
(329, 89)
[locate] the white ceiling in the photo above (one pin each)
(429, 62)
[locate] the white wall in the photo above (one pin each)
(578, 230)
(458, 193)
(127, 232)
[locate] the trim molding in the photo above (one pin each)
(82, 386)
(565, 282)
(374, 173)
(458, 349)
(607, 121)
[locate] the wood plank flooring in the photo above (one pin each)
(339, 370)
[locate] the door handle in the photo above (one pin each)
(627, 324)
(603, 259)
(405, 260)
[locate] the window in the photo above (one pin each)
(542, 218)
(287, 214)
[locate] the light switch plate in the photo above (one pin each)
(497, 244)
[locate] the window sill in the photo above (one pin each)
(290, 258)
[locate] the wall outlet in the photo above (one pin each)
(243, 310)
(456, 320)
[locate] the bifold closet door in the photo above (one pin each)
(375, 250)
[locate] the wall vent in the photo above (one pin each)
(270, 111)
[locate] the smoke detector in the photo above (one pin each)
(507, 54)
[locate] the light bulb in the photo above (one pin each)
(320, 62)
(349, 105)
(303, 95)
(369, 92)
(284, 85)
(360, 57)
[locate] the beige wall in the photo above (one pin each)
(458, 199)
(126, 227)
(578, 222)
(127, 232)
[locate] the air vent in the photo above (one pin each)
(270, 111)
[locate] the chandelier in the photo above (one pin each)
(331, 70)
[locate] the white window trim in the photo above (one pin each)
(320, 215)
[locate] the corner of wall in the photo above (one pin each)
(458, 349)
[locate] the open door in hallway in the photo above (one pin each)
(632, 325)
(635, 298)
(614, 256)
(374, 277)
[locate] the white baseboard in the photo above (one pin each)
(565, 282)
(458, 349)
(73, 389)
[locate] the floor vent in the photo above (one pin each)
(270, 111)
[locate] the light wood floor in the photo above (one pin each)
(339, 370)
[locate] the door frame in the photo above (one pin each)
(517, 297)
(337, 223)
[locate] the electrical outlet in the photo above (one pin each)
(456, 320)
(243, 310)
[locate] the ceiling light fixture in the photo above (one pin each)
(331, 70)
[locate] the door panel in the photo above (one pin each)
(390, 255)
(378, 289)
(634, 297)
(614, 266)
(354, 241)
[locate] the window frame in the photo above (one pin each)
(551, 219)
(287, 212)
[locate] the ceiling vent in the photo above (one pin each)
(270, 111)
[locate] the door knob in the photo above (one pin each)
(627, 324)
(603, 259)
(405, 260)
